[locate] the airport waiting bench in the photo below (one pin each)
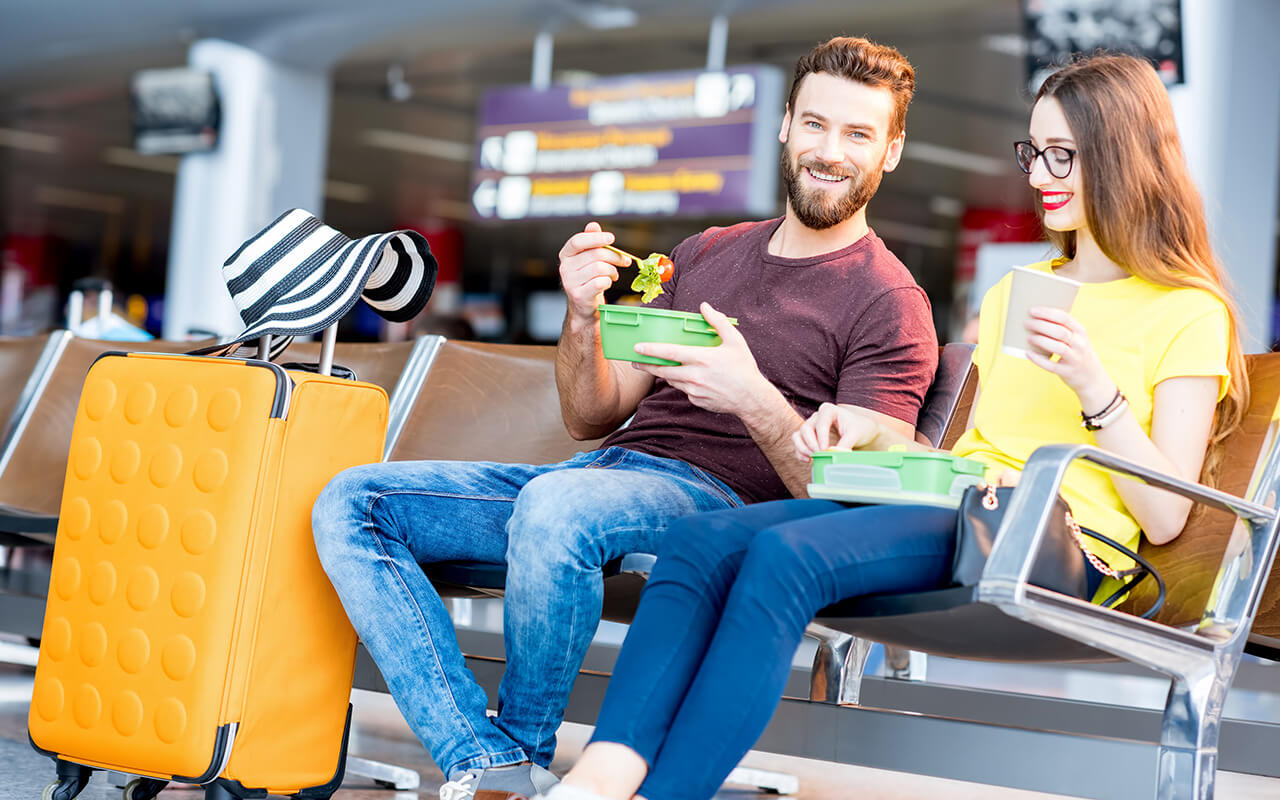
(469, 400)
(1217, 572)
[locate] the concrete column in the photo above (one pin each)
(1228, 115)
(271, 155)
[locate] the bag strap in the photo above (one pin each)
(274, 349)
(990, 502)
(1138, 574)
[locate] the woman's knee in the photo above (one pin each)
(703, 552)
(709, 536)
(702, 541)
(785, 558)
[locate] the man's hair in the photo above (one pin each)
(866, 62)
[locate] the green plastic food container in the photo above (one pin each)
(623, 327)
(895, 476)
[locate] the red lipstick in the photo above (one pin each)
(1054, 206)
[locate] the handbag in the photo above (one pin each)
(1058, 566)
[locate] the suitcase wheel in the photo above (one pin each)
(72, 778)
(143, 788)
(63, 790)
(217, 791)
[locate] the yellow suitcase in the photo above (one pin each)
(190, 632)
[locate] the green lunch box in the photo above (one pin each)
(895, 476)
(623, 327)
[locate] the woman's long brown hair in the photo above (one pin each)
(1140, 203)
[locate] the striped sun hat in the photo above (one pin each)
(298, 276)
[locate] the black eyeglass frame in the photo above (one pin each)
(1043, 155)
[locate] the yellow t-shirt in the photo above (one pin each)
(1143, 333)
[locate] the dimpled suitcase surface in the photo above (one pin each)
(190, 632)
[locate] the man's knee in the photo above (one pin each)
(344, 503)
(555, 522)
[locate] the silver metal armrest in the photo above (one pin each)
(36, 383)
(1202, 664)
(405, 393)
(1004, 580)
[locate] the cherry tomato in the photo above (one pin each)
(666, 268)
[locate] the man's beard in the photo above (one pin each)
(812, 206)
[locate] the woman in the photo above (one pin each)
(1148, 359)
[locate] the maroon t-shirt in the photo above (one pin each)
(850, 326)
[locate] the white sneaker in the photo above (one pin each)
(565, 792)
(497, 783)
(464, 788)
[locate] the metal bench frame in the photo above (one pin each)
(968, 733)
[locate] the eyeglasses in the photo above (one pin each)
(1057, 160)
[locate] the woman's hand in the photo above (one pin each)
(1008, 478)
(1052, 331)
(854, 431)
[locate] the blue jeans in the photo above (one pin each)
(554, 526)
(710, 648)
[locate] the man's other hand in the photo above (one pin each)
(853, 430)
(587, 269)
(723, 378)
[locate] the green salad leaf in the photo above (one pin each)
(649, 281)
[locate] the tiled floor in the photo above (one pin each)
(380, 733)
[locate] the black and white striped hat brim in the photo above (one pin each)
(299, 276)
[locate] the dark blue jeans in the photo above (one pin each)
(709, 651)
(554, 525)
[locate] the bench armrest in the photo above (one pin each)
(22, 522)
(1170, 650)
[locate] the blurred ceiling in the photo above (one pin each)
(67, 164)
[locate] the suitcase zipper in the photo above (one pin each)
(284, 387)
(256, 552)
(226, 737)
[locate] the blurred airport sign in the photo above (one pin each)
(175, 111)
(664, 144)
(1055, 29)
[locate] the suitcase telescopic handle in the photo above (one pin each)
(327, 345)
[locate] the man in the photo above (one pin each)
(826, 314)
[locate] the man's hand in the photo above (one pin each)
(854, 431)
(587, 269)
(723, 378)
